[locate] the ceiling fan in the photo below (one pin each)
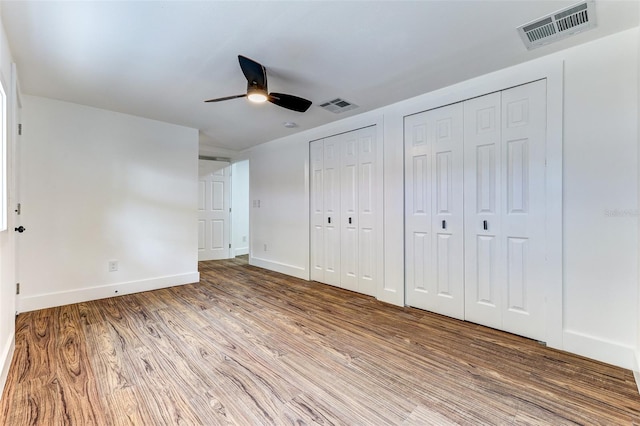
(256, 75)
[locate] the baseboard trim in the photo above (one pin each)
(636, 370)
(7, 357)
(50, 300)
(613, 353)
(241, 251)
(283, 268)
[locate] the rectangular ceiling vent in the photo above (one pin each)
(561, 24)
(338, 105)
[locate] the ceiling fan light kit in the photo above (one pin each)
(256, 94)
(256, 75)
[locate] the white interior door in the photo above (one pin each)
(349, 147)
(346, 211)
(483, 218)
(434, 206)
(524, 112)
(475, 210)
(9, 274)
(214, 203)
(505, 210)
(368, 212)
(331, 200)
(15, 207)
(316, 160)
(417, 211)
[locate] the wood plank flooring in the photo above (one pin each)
(247, 346)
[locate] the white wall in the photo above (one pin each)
(601, 198)
(637, 364)
(599, 296)
(240, 207)
(7, 262)
(99, 186)
(279, 224)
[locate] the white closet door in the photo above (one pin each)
(349, 210)
(369, 193)
(447, 204)
(331, 200)
(483, 250)
(316, 159)
(523, 204)
(505, 209)
(434, 206)
(417, 211)
(346, 211)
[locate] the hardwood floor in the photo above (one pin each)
(251, 347)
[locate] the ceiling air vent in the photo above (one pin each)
(558, 25)
(338, 105)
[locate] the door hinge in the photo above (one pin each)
(19, 129)
(17, 288)
(18, 209)
(229, 245)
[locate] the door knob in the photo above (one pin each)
(20, 229)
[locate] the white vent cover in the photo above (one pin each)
(338, 105)
(559, 25)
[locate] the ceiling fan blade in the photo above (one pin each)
(226, 98)
(289, 101)
(255, 73)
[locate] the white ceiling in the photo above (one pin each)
(160, 59)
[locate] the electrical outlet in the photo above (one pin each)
(113, 265)
(244, 238)
(265, 247)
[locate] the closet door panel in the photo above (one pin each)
(346, 211)
(368, 194)
(417, 212)
(484, 281)
(485, 291)
(331, 200)
(367, 262)
(446, 133)
(523, 228)
(316, 159)
(349, 211)
(434, 210)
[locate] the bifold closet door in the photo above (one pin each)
(349, 210)
(345, 211)
(369, 194)
(331, 201)
(505, 209)
(434, 210)
(316, 164)
(324, 159)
